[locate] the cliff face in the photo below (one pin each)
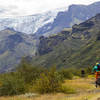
(47, 45)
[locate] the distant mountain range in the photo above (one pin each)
(75, 15)
(53, 21)
(29, 24)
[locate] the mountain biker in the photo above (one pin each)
(96, 70)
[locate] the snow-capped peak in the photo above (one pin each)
(29, 24)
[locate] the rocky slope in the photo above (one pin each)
(80, 47)
(13, 46)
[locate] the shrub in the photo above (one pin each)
(75, 71)
(88, 70)
(11, 84)
(67, 90)
(48, 82)
(66, 74)
(29, 72)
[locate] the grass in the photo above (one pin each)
(81, 85)
(60, 96)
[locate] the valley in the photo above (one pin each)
(52, 38)
(49, 55)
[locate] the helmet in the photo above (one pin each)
(97, 63)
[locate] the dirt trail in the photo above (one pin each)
(97, 97)
(86, 93)
(96, 94)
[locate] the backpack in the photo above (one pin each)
(98, 67)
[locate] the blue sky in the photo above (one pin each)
(29, 7)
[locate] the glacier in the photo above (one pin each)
(29, 24)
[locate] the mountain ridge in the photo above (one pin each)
(75, 15)
(53, 21)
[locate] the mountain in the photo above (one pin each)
(56, 49)
(13, 46)
(14, 43)
(75, 15)
(77, 47)
(52, 21)
(29, 24)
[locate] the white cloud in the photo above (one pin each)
(28, 7)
